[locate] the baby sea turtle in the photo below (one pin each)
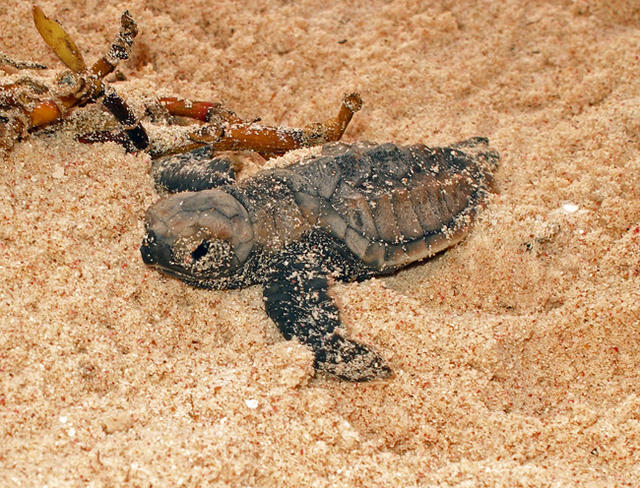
(350, 213)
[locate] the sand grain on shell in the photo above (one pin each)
(515, 353)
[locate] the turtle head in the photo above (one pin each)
(203, 238)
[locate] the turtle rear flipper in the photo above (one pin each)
(479, 148)
(297, 300)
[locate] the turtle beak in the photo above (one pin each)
(154, 251)
(147, 256)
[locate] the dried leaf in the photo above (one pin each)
(58, 40)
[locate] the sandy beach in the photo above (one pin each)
(515, 353)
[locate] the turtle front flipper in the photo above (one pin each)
(195, 170)
(297, 300)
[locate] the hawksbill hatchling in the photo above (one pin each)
(352, 212)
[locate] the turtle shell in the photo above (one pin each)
(394, 205)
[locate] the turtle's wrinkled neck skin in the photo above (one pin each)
(353, 212)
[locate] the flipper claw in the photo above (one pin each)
(350, 360)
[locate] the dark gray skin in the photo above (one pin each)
(353, 212)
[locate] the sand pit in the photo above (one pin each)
(515, 353)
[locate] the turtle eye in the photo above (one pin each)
(204, 255)
(200, 251)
